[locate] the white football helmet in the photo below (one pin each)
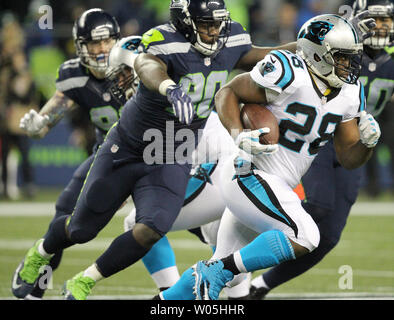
(121, 74)
(326, 39)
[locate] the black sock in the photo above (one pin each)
(123, 252)
(229, 264)
(56, 238)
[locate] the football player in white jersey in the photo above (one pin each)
(314, 95)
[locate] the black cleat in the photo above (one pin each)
(257, 293)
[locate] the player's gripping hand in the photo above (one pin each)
(249, 141)
(182, 104)
(363, 25)
(32, 122)
(369, 130)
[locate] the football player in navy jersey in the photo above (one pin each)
(80, 83)
(331, 190)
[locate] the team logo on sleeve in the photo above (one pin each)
(266, 67)
(316, 31)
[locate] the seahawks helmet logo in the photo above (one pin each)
(316, 31)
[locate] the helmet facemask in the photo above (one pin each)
(91, 60)
(123, 82)
(383, 35)
(346, 64)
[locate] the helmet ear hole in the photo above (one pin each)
(316, 57)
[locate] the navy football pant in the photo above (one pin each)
(158, 192)
(330, 192)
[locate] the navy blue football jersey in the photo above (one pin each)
(77, 83)
(377, 76)
(200, 76)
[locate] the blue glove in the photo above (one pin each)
(182, 104)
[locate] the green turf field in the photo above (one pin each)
(366, 246)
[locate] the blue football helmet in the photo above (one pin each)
(186, 15)
(94, 25)
(378, 9)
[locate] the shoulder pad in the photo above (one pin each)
(71, 74)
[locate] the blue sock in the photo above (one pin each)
(183, 289)
(268, 249)
(159, 257)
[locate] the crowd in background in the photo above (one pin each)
(30, 56)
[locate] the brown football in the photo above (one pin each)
(256, 116)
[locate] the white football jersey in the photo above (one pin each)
(306, 118)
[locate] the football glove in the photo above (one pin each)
(181, 103)
(363, 26)
(369, 130)
(249, 141)
(32, 122)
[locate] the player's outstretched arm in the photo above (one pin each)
(151, 70)
(354, 143)
(153, 74)
(256, 54)
(37, 125)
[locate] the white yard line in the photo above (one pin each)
(99, 244)
(26, 209)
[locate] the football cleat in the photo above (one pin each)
(27, 272)
(78, 288)
(210, 279)
(257, 293)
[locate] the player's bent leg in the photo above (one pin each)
(267, 205)
(158, 201)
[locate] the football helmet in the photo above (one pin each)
(331, 48)
(94, 25)
(378, 8)
(123, 80)
(186, 15)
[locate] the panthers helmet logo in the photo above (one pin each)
(316, 31)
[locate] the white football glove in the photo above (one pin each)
(32, 122)
(363, 25)
(249, 142)
(369, 130)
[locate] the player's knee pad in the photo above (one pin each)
(145, 236)
(65, 203)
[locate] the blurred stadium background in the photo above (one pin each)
(35, 171)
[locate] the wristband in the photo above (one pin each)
(164, 86)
